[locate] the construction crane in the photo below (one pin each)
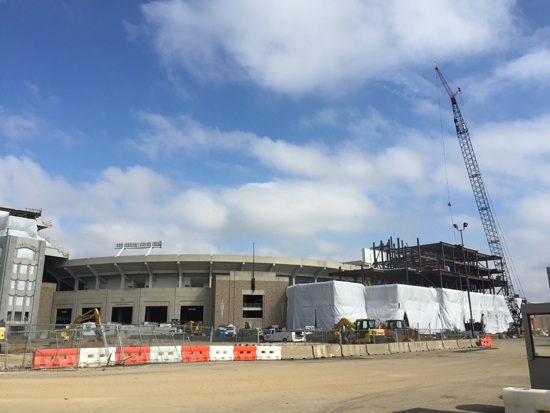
(482, 201)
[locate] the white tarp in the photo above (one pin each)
(17, 226)
(324, 304)
(320, 303)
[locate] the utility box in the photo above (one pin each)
(536, 324)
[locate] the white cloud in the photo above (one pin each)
(323, 196)
(319, 46)
(182, 133)
(17, 127)
(533, 67)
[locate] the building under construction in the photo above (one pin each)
(439, 265)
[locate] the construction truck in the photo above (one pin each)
(399, 331)
(68, 335)
(363, 331)
(194, 328)
(514, 331)
(366, 331)
(272, 335)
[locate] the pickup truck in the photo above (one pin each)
(272, 335)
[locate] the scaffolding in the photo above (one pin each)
(439, 265)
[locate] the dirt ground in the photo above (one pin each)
(466, 380)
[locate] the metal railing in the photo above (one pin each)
(21, 341)
(18, 349)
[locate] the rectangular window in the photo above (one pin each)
(253, 306)
(540, 334)
(23, 269)
(191, 313)
(63, 316)
(12, 285)
(156, 314)
(27, 301)
(10, 300)
(15, 268)
(122, 315)
(20, 285)
(8, 318)
(19, 301)
(17, 316)
(26, 316)
(31, 269)
(30, 285)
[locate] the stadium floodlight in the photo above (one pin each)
(137, 245)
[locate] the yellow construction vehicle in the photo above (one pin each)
(68, 335)
(366, 331)
(192, 327)
(346, 329)
(363, 331)
(399, 330)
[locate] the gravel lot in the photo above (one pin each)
(466, 380)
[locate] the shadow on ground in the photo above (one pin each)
(477, 408)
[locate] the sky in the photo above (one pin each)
(311, 129)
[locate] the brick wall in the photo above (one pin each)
(230, 289)
(46, 301)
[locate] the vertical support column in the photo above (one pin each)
(210, 275)
(123, 277)
(180, 280)
(151, 277)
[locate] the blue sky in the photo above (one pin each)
(312, 129)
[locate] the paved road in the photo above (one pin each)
(466, 380)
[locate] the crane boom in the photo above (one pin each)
(482, 201)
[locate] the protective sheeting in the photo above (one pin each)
(321, 303)
(17, 226)
(324, 304)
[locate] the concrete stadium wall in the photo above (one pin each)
(138, 299)
(228, 295)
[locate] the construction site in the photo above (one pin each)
(398, 299)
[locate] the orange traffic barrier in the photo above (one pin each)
(195, 353)
(485, 342)
(133, 355)
(244, 353)
(54, 359)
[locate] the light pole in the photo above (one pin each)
(466, 270)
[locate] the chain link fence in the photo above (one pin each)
(61, 346)
(20, 343)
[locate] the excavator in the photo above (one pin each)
(68, 335)
(363, 331)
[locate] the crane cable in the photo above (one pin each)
(445, 156)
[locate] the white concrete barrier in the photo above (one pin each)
(525, 400)
(221, 353)
(268, 353)
(95, 357)
(326, 351)
(354, 350)
(464, 343)
(450, 344)
(416, 346)
(434, 345)
(398, 347)
(297, 352)
(377, 349)
(473, 342)
(165, 354)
